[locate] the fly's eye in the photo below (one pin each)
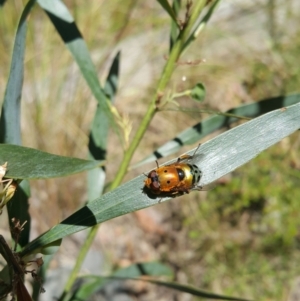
(155, 185)
(180, 173)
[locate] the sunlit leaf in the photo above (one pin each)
(70, 34)
(214, 123)
(29, 163)
(219, 156)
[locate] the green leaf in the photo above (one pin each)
(198, 92)
(174, 32)
(145, 268)
(219, 156)
(29, 163)
(95, 283)
(70, 34)
(10, 129)
(192, 291)
(214, 123)
(112, 81)
(201, 23)
(10, 121)
(99, 133)
(18, 207)
(51, 248)
(5, 287)
(92, 284)
(166, 6)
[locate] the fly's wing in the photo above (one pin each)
(206, 187)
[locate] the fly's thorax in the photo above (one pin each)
(187, 174)
(196, 173)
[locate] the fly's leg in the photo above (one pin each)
(188, 157)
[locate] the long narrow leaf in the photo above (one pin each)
(214, 123)
(10, 121)
(70, 34)
(99, 133)
(174, 24)
(193, 291)
(200, 24)
(94, 283)
(91, 284)
(166, 6)
(29, 163)
(219, 156)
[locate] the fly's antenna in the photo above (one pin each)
(196, 150)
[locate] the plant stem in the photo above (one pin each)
(166, 75)
(81, 256)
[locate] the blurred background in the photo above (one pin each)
(242, 237)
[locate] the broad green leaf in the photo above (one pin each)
(214, 123)
(219, 156)
(198, 92)
(29, 163)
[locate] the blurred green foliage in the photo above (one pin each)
(248, 229)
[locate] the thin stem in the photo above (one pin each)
(166, 75)
(80, 258)
(207, 111)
